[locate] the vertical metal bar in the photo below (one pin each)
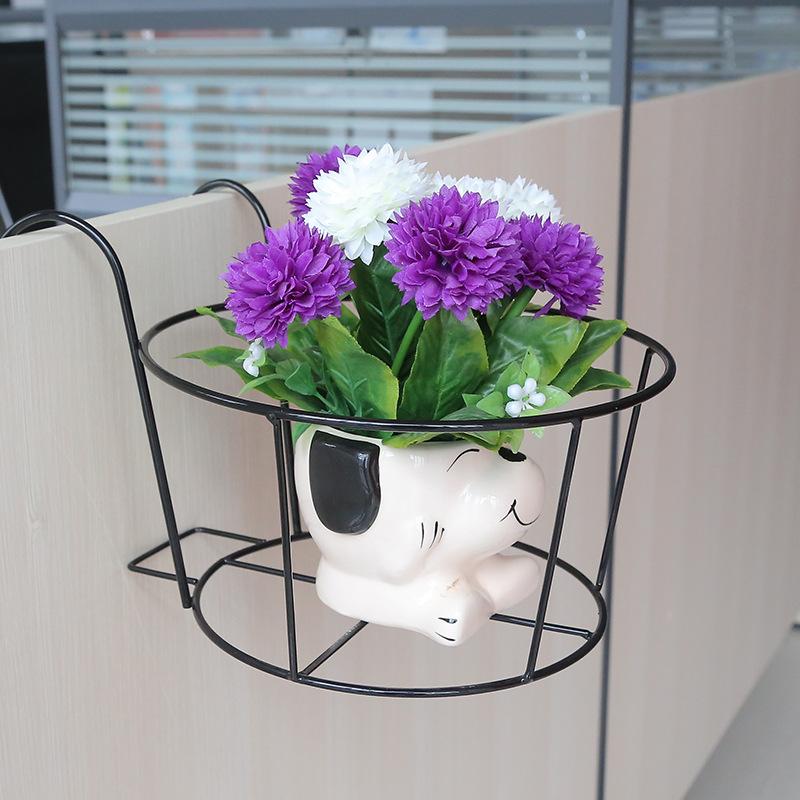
(55, 102)
(294, 510)
(555, 542)
(278, 426)
(163, 484)
(623, 472)
(6, 220)
(138, 370)
(622, 45)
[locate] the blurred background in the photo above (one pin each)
(145, 101)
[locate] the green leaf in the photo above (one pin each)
(364, 381)
(513, 373)
(223, 356)
(301, 346)
(531, 366)
(595, 379)
(450, 360)
(555, 397)
(484, 438)
(494, 404)
(402, 440)
(513, 439)
(600, 335)
(220, 356)
(349, 319)
(383, 318)
(333, 398)
(492, 440)
(552, 339)
(227, 325)
(300, 379)
(495, 311)
(298, 429)
(256, 382)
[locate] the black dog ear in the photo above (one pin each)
(345, 482)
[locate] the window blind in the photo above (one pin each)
(159, 112)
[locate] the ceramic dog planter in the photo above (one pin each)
(411, 538)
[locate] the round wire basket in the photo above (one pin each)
(582, 638)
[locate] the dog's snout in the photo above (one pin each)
(510, 455)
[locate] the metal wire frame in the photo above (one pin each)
(281, 417)
(243, 191)
(271, 411)
(587, 639)
(134, 346)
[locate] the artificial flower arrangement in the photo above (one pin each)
(396, 294)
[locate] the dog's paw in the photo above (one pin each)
(457, 620)
(450, 631)
(507, 579)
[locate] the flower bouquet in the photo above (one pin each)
(396, 294)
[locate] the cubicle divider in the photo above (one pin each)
(111, 690)
(708, 552)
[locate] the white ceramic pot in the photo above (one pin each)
(410, 538)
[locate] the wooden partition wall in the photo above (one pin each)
(708, 556)
(109, 689)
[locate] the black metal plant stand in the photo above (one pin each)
(281, 417)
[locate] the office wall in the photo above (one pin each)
(107, 687)
(708, 557)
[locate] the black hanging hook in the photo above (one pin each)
(227, 183)
(134, 345)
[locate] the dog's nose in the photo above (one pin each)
(510, 455)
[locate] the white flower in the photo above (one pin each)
(466, 183)
(521, 197)
(513, 199)
(355, 204)
(524, 398)
(255, 359)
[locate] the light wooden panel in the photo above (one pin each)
(108, 689)
(708, 566)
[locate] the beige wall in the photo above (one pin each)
(108, 689)
(708, 576)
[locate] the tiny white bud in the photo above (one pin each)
(249, 367)
(515, 391)
(514, 408)
(538, 399)
(256, 349)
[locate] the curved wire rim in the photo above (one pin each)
(276, 412)
(242, 191)
(400, 691)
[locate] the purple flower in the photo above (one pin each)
(297, 272)
(302, 182)
(562, 260)
(454, 252)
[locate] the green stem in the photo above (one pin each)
(519, 304)
(405, 343)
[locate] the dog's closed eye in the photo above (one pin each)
(462, 453)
